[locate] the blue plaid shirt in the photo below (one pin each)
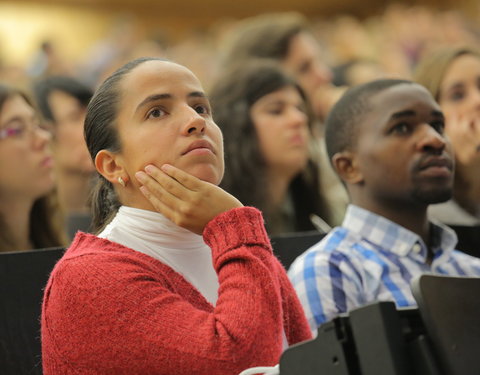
(370, 258)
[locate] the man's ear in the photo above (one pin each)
(109, 165)
(346, 166)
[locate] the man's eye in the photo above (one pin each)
(439, 126)
(402, 128)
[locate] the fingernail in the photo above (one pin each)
(149, 169)
(166, 167)
(140, 176)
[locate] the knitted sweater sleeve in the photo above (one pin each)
(106, 316)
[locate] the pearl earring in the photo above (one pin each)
(121, 181)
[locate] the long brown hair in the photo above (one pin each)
(232, 97)
(45, 218)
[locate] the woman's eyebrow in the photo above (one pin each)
(155, 97)
(11, 120)
(455, 86)
(197, 94)
(152, 98)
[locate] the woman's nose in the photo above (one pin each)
(297, 117)
(194, 123)
(41, 137)
(323, 73)
(475, 100)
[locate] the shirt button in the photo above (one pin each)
(417, 248)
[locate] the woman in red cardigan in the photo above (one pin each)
(180, 277)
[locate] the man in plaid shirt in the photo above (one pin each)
(385, 140)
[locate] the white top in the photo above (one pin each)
(153, 234)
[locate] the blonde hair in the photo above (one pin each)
(431, 70)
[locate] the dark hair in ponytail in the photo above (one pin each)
(101, 134)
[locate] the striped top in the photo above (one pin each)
(370, 258)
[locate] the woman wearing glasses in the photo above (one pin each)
(27, 218)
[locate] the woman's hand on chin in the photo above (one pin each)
(186, 200)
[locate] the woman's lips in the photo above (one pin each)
(297, 140)
(47, 162)
(199, 147)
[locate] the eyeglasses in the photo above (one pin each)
(19, 128)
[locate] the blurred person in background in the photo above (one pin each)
(63, 103)
(47, 61)
(452, 75)
(288, 39)
(28, 218)
(112, 51)
(357, 71)
(267, 129)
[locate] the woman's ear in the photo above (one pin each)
(346, 166)
(109, 165)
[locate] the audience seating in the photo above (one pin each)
(440, 337)
(468, 239)
(23, 276)
(450, 309)
(287, 247)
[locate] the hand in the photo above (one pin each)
(464, 132)
(184, 199)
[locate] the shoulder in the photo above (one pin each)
(91, 260)
(340, 249)
(338, 243)
(470, 264)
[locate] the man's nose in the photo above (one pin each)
(431, 139)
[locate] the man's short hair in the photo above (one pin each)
(349, 111)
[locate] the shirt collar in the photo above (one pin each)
(388, 235)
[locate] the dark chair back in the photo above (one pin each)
(23, 276)
(450, 309)
(287, 247)
(468, 239)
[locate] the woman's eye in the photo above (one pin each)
(456, 96)
(156, 113)
(305, 67)
(12, 131)
(276, 111)
(202, 109)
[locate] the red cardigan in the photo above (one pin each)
(108, 309)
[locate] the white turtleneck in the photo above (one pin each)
(153, 234)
